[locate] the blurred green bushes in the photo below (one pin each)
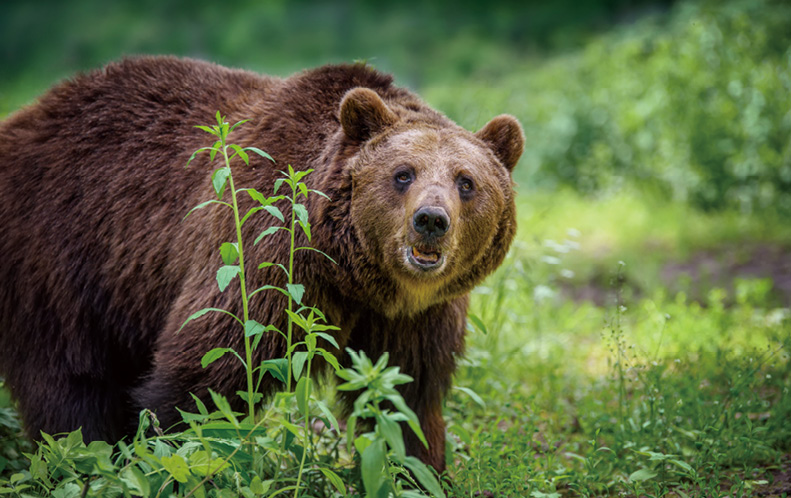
(42, 41)
(691, 102)
(694, 106)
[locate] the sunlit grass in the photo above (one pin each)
(647, 391)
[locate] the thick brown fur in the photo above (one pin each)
(98, 272)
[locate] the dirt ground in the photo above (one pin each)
(720, 267)
(699, 273)
(780, 484)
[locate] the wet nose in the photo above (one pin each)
(431, 221)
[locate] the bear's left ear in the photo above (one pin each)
(505, 136)
(364, 114)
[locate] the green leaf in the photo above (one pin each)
(412, 420)
(683, 465)
(213, 355)
(462, 433)
(225, 274)
(249, 213)
(207, 130)
(641, 475)
(188, 417)
(253, 328)
(221, 402)
(260, 198)
(303, 189)
(478, 323)
(259, 152)
(310, 341)
(177, 467)
(214, 150)
(315, 250)
(279, 265)
(241, 153)
(278, 183)
(39, 471)
(296, 291)
(203, 205)
(330, 358)
(329, 338)
(298, 360)
(197, 314)
(268, 231)
(202, 464)
(257, 397)
(67, 490)
(302, 392)
(472, 394)
(302, 213)
(257, 338)
(321, 194)
(202, 312)
(274, 211)
(424, 475)
(257, 196)
(334, 479)
(391, 431)
(229, 252)
(259, 487)
(539, 494)
(305, 228)
(372, 467)
(73, 440)
(135, 481)
(298, 319)
(267, 287)
(237, 124)
(194, 154)
(278, 367)
(330, 418)
(219, 178)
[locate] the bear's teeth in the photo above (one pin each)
(428, 257)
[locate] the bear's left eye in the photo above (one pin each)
(465, 185)
(402, 179)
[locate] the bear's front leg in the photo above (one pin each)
(425, 346)
(177, 373)
(433, 425)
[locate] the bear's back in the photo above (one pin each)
(85, 173)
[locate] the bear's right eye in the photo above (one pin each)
(402, 179)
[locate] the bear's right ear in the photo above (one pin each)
(364, 114)
(505, 136)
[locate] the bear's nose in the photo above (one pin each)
(431, 221)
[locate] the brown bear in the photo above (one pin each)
(99, 272)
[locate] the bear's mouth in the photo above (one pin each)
(424, 257)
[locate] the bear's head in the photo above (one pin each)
(431, 203)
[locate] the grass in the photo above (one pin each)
(648, 394)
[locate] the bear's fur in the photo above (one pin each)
(99, 272)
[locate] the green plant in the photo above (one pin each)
(382, 450)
